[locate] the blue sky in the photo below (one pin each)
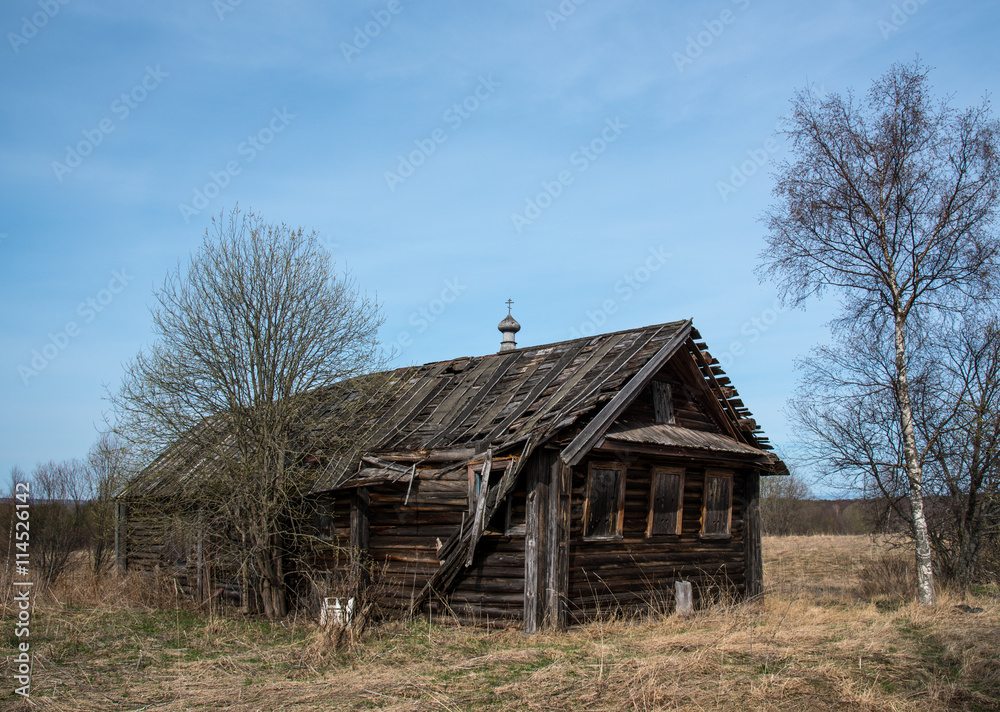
(452, 155)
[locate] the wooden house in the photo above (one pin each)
(546, 485)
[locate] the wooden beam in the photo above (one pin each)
(567, 385)
(453, 454)
(535, 542)
(557, 538)
(689, 371)
(595, 429)
(753, 558)
(503, 365)
(529, 400)
(481, 495)
(121, 537)
(710, 372)
(360, 519)
(616, 446)
(461, 545)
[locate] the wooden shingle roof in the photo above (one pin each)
(449, 411)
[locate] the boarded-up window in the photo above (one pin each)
(602, 514)
(666, 501)
(717, 510)
(663, 404)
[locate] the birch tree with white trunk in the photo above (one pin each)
(890, 203)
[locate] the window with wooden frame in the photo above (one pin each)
(663, 402)
(475, 485)
(666, 501)
(717, 504)
(603, 508)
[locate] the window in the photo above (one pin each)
(663, 403)
(666, 501)
(509, 518)
(602, 510)
(324, 521)
(717, 509)
(476, 480)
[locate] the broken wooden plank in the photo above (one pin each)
(593, 431)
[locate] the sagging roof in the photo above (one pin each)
(449, 411)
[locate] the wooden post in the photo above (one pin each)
(683, 600)
(204, 568)
(753, 558)
(557, 544)
(120, 538)
(534, 542)
(360, 534)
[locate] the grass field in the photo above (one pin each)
(834, 632)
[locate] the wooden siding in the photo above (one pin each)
(635, 571)
(403, 546)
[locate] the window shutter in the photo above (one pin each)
(604, 498)
(717, 511)
(666, 501)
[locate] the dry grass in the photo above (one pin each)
(824, 638)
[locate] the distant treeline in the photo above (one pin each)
(792, 516)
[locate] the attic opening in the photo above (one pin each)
(663, 402)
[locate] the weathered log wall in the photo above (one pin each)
(635, 571)
(403, 545)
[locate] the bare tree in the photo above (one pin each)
(963, 463)
(106, 473)
(59, 527)
(254, 339)
(891, 203)
(17, 476)
(781, 504)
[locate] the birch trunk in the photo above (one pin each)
(914, 472)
